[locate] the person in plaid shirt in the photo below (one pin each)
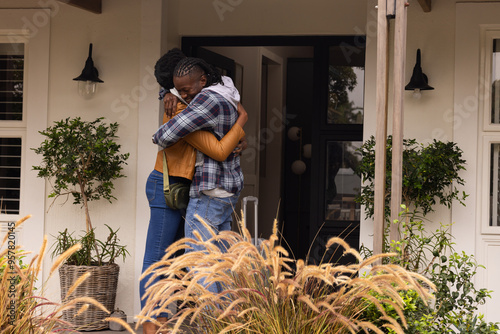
(216, 185)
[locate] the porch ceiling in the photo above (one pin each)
(94, 6)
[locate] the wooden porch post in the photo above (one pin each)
(381, 131)
(398, 119)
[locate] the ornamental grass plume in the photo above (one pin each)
(24, 308)
(266, 291)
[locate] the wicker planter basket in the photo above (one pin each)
(101, 286)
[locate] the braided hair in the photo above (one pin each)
(164, 67)
(191, 65)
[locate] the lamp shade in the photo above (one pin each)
(89, 72)
(418, 79)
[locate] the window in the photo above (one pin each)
(11, 114)
(10, 174)
(346, 76)
(24, 77)
(495, 81)
(11, 81)
(490, 107)
(343, 184)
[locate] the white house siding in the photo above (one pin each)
(431, 116)
(431, 32)
(37, 38)
(434, 116)
(125, 47)
(471, 107)
(130, 34)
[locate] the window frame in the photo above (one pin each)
(489, 134)
(13, 128)
(17, 37)
(486, 143)
(489, 34)
(16, 133)
(36, 36)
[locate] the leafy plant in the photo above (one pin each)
(87, 255)
(416, 248)
(457, 300)
(430, 175)
(413, 308)
(82, 159)
(263, 294)
(474, 324)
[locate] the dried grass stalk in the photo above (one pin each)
(266, 291)
(25, 309)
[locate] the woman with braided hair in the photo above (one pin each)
(216, 185)
(165, 225)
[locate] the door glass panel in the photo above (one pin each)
(11, 81)
(342, 183)
(495, 85)
(346, 78)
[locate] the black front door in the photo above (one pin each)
(325, 104)
(324, 101)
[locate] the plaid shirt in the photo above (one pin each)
(208, 111)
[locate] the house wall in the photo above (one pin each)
(436, 115)
(130, 35)
(472, 113)
(126, 41)
(426, 31)
(431, 116)
(261, 17)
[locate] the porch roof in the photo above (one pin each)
(95, 6)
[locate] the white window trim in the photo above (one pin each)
(17, 36)
(490, 132)
(23, 22)
(486, 143)
(488, 34)
(17, 129)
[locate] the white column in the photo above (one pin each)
(147, 123)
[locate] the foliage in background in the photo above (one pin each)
(263, 294)
(430, 175)
(87, 255)
(24, 308)
(341, 81)
(81, 159)
(456, 298)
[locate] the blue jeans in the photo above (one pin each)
(214, 211)
(165, 227)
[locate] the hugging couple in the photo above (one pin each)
(202, 137)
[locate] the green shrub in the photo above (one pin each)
(430, 175)
(456, 299)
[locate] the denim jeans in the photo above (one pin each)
(165, 227)
(214, 211)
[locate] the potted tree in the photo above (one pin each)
(81, 159)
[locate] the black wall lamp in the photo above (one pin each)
(418, 81)
(87, 81)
